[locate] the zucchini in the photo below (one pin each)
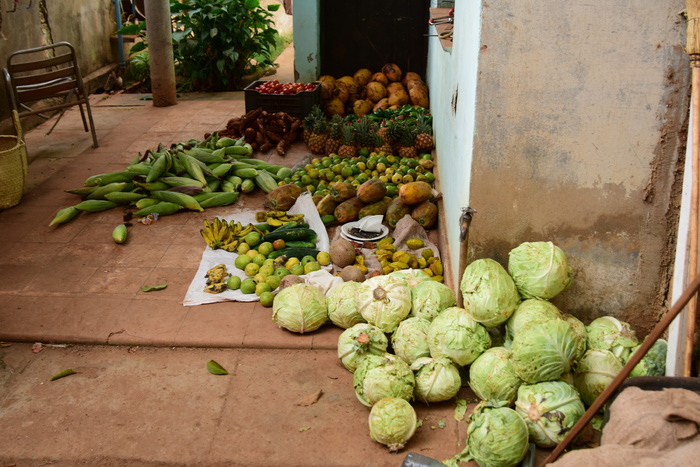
(294, 253)
(290, 235)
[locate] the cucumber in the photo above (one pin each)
(263, 227)
(288, 235)
(300, 244)
(294, 253)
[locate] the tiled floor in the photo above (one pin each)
(72, 283)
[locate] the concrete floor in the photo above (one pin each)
(142, 394)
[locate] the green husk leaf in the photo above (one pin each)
(62, 374)
(152, 288)
(216, 369)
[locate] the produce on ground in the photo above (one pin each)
(380, 376)
(539, 269)
(300, 308)
(392, 422)
(265, 130)
(358, 341)
(437, 379)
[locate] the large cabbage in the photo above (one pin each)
(496, 437)
(300, 308)
(412, 276)
(654, 362)
(550, 410)
(489, 293)
(429, 298)
(544, 351)
(355, 343)
(454, 334)
(594, 373)
(342, 305)
(437, 379)
(492, 377)
(383, 376)
(384, 301)
(410, 340)
(609, 333)
(580, 330)
(392, 422)
(539, 269)
(530, 311)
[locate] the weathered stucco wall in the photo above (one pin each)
(87, 24)
(579, 139)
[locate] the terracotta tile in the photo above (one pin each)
(83, 254)
(189, 235)
(88, 319)
(59, 278)
(216, 324)
(158, 234)
(181, 256)
(29, 318)
(152, 322)
(326, 337)
(14, 278)
(124, 281)
(28, 254)
(177, 280)
(264, 333)
(134, 255)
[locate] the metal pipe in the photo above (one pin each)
(120, 39)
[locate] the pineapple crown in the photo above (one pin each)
(336, 126)
(407, 135)
(423, 125)
(315, 115)
(348, 137)
(364, 133)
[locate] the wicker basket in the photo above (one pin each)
(13, 166)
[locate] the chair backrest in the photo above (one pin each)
(50, 71)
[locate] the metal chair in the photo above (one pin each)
(48, 72)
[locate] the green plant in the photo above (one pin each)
(217, 43)
(139, 69)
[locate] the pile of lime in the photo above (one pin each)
(395, 171)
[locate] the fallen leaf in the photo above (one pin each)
(37, 347)
(153, 288)
(62, 374)
(216, 369)
(441, 424)
(311, 399)
(460, 409)
(305, 428)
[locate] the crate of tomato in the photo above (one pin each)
(296, 99)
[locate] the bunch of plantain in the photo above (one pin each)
(225, 235)
(216, 279)
(278, 218)
(189, 176)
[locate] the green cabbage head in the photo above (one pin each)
(355, 343)
(392, 422)
(492, 377)
(384, 301)
(539, 269)
(410, 340)
(437, 379)
(609, 333)
(342, 305)
(550, 410)
(383, 376)
(545, 350)
(489, 293)
(654, 362)
(529, 311)
(496, 437)
(594, 373)
(455, 335)
(429, 298)
(300, 308)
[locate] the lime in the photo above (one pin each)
(242, 261)
(252, 253)
(297, 269)
(267, 299)
(281, 272)
(265, 248)
(323, 258)
(262, 287)
(273, 281)
(311, 267)
(259, 278)
(233, 282)
(291, 262)
(269, 261)
(267, 269)
(259, 259)
(243, 248)
(307, 259)
(251, 269)
(248, 286)
(253, 238)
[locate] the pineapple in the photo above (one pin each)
(347, 147)
(424, 140)
(393, 134)
(335, 134)
(309, 122)
(407, 140)
(318, 137)
(365, 138)
(383, 143)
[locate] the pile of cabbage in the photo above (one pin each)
(534, 367)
